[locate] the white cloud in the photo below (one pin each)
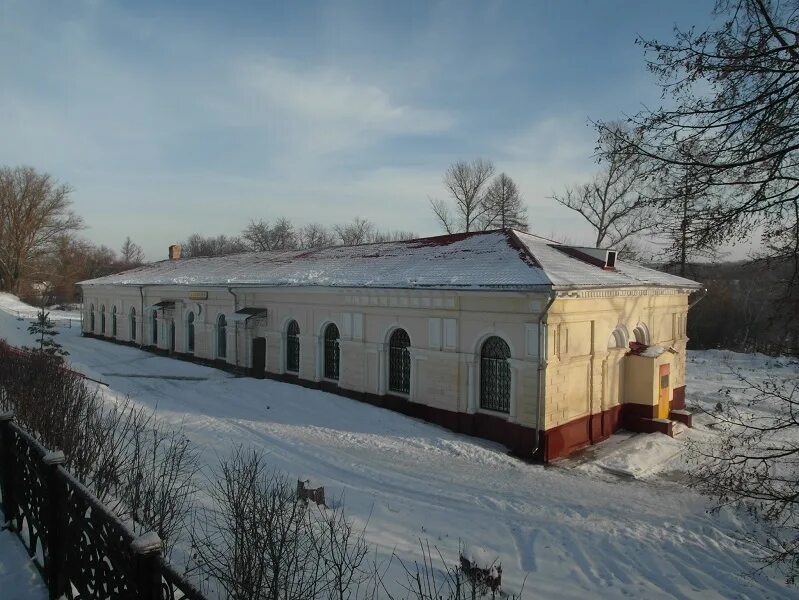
(314, 112)
(328, 95)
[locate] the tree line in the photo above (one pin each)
(282, 234)
(41, 253)
(43, 256)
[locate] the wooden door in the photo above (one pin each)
(259, 357)
(664, 395)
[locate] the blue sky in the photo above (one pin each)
(174, 117)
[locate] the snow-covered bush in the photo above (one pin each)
(142, 471)
(257, 540)
(753, 463)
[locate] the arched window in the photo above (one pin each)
(91, 318)
(132, 324)
(114, 321)
(332, 354)
(221, 337)
(495, 375)
(399, 362)
(293, 347)
(172, 335)
(154, 328)
(190, 332)
(102, 319)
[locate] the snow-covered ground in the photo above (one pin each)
(19, 579)
(614, 522)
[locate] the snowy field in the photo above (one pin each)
(615, 521)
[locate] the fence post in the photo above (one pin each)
(54, 547)
(7, 467)
(147, 554)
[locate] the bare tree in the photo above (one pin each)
(131, 253)
(613, 203)
(314, 235)
(157, 478)
(221, 245)
(504, 207)
(70, 260)
(465, 182)
(465, 580)
(34, 212)
(393, 236)
(144, 472)
(678, 195)
(358, 231)
(680, 227)
(754, 464)
(732, 116)
(260, 235)
(257, 540)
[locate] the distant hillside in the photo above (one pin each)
(750, 306)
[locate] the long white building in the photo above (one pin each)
(499, 334)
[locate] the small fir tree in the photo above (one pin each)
(44, 330)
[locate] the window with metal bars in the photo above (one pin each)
(91, 318)
(221, 337)
(331, 352)
(114, 321)
(190, 332)
(293, 347)
(495, 375)
(102, 319)
(132, 324)
(154, 330)
(399, 362)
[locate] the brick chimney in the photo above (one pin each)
(174, 252)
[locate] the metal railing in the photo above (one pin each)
(81, 547)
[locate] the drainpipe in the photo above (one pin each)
(542, 367)
(141, 318)
(235, 323)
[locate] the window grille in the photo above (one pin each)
(332, 352)
(293, 347)
(132, 323)
(91, 318)
(495, 375)
(154, 333)
(190, 332)
(102, 319)
(399, 362)
(221, 337)
(114, 321)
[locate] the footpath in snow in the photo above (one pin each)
(613, 522)
(19, 578)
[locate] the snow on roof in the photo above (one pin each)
(494, 259)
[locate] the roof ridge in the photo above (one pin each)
(540, 237)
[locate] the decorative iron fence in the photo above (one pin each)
(82, 548)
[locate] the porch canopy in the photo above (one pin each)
(246, 313)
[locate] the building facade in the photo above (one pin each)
(521, 358)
